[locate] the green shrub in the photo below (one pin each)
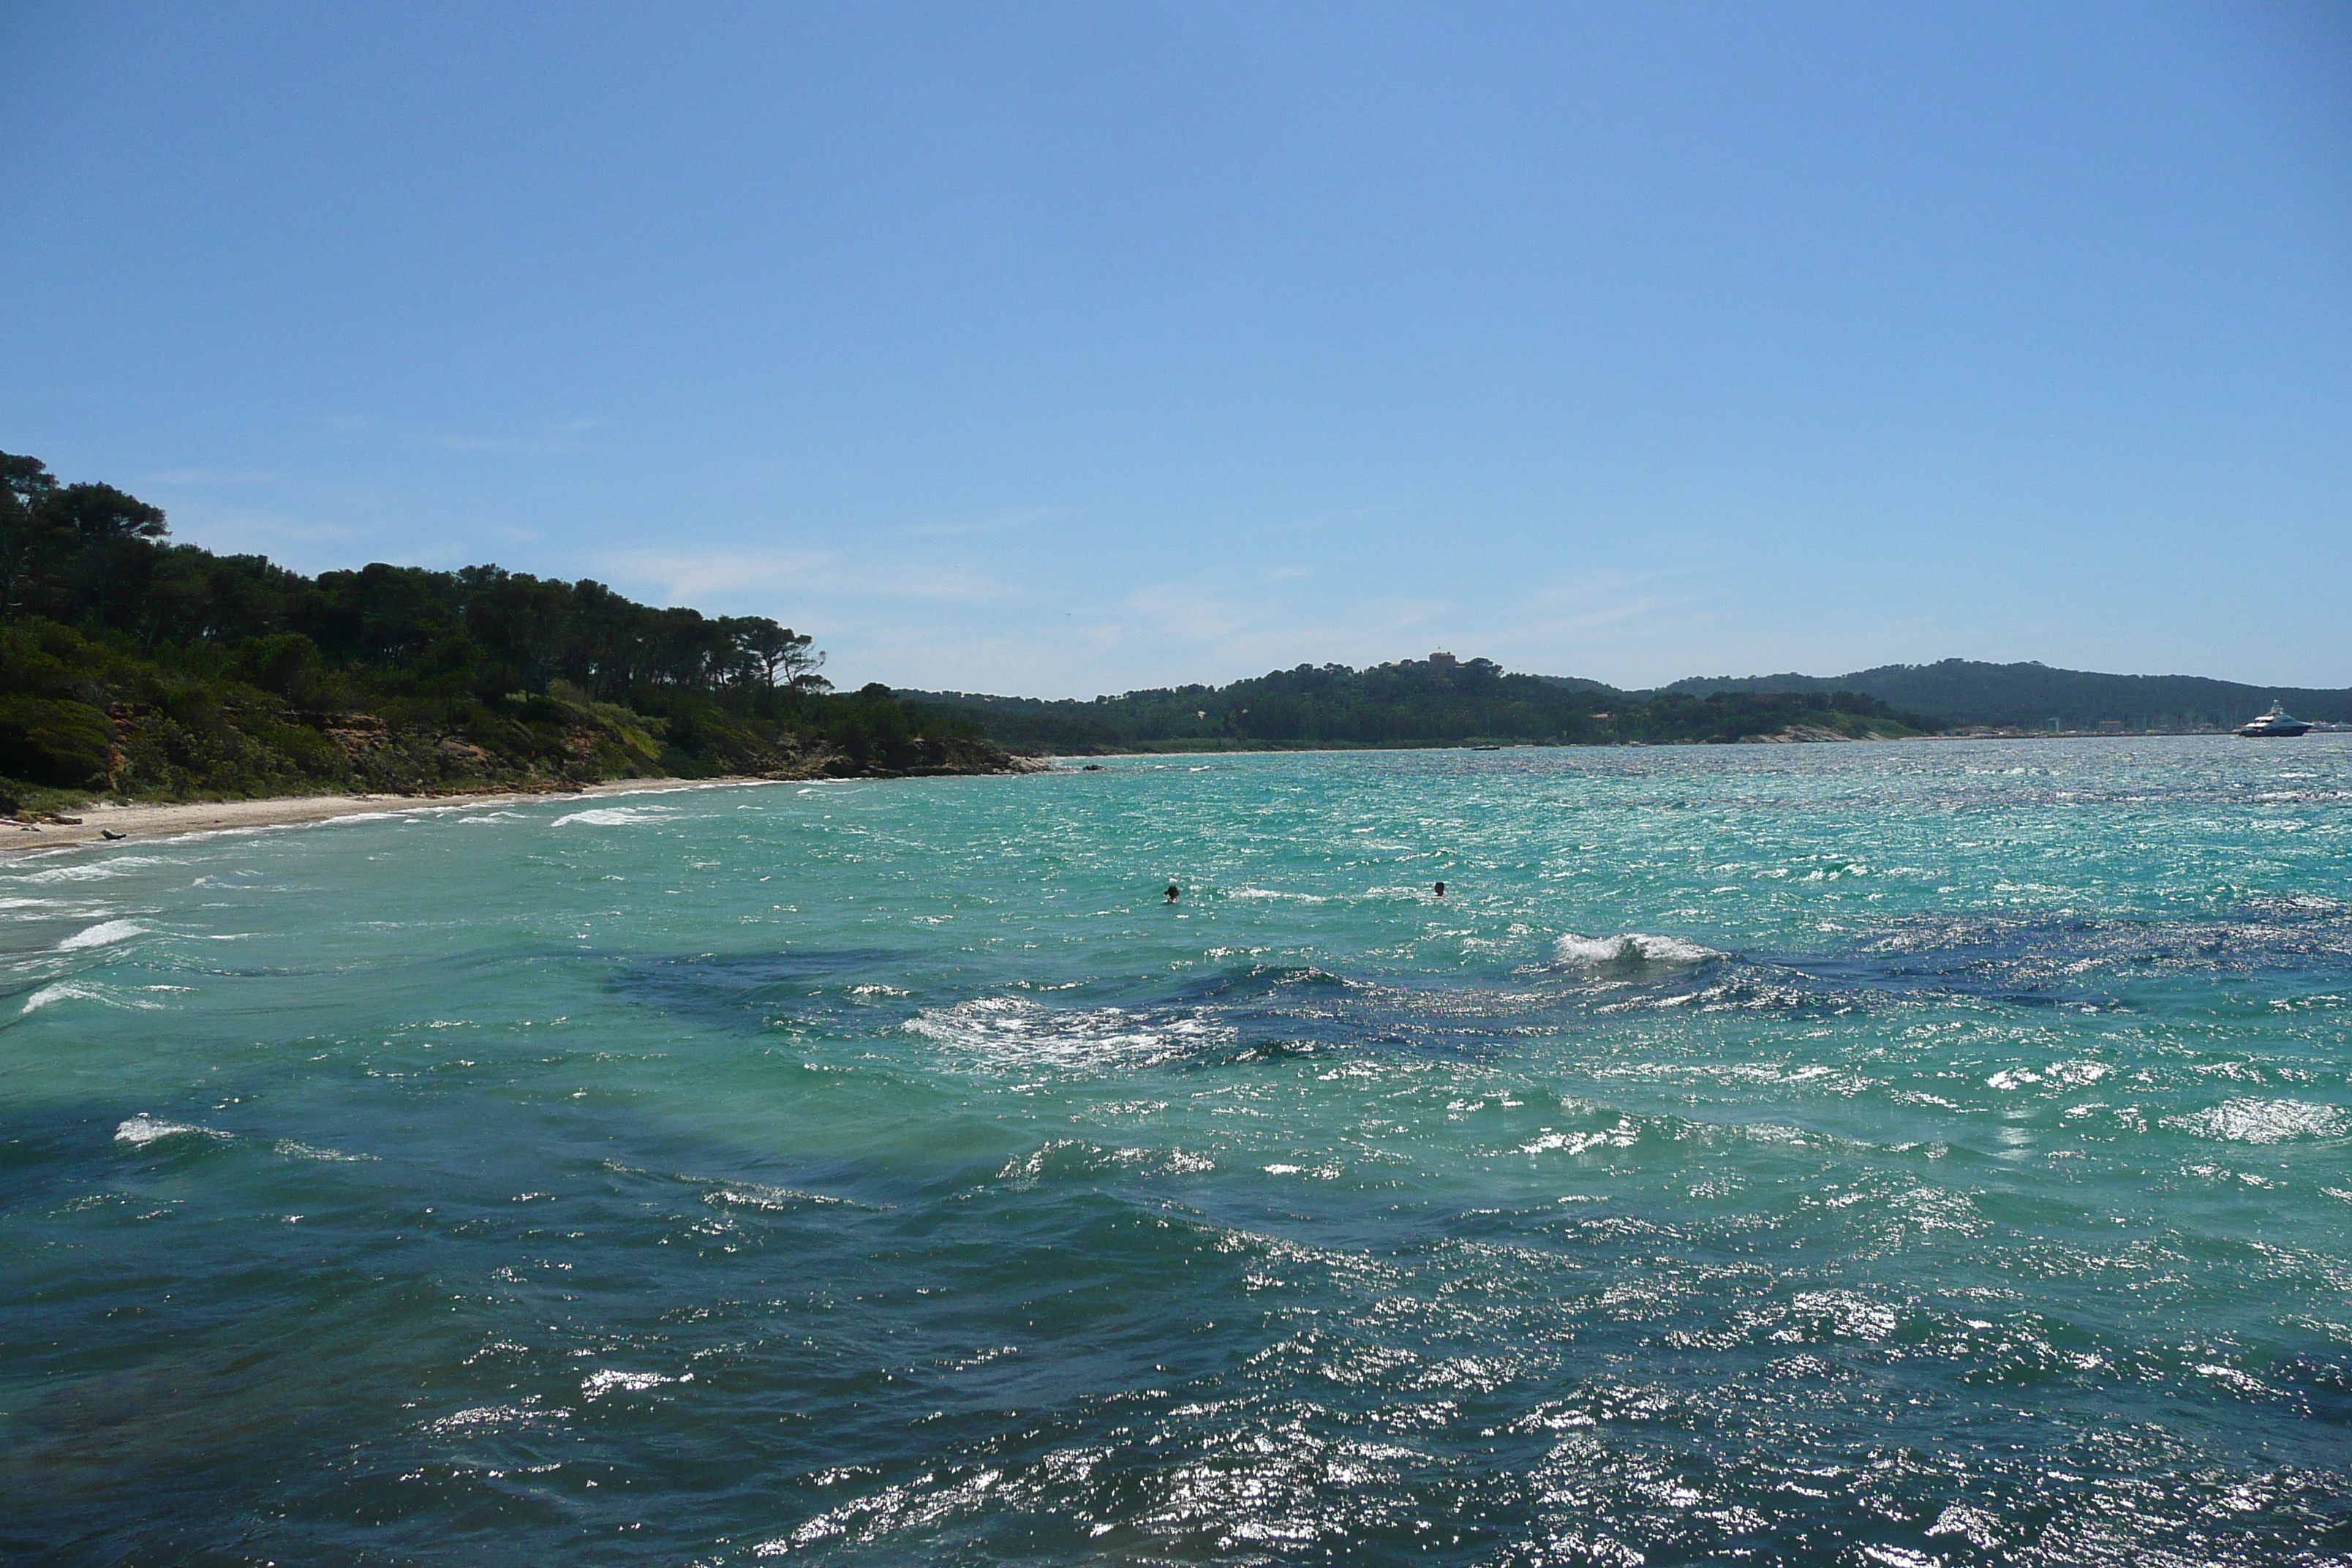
(54, 741)
(286, 663)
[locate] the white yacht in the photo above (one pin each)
(2278, 721)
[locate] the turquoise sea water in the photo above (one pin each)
(1893, 1154)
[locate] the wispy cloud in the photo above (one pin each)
(707, 577)
(1163, 636)
(1579, 607)
(723, 576)
(1218, 627)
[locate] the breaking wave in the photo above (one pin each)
(615, 816)
(143, 1129)
(72, 991)
(101, 936)
(1635, 949)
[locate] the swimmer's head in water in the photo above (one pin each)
(1441, 889)
(1174, 892)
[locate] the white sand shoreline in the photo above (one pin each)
(149, 823)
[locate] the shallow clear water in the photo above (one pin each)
(1894, 1155)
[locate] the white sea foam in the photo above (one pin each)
(1015, 1034)
(1903, 1556)
(1633, 948)
(63, 991)
(75, 990)
(489, 1418)
(294, 1151)
(1621, 1136)
(101, 936)
(143, 1129)
(615, 816)
(605, 1380)
(2250, 1121)
(90, 870)
(746, 1195)
(1849, 1314)
(1975, 1524)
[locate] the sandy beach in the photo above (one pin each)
(138, 822)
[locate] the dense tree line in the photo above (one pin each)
(131, 662)
(2032, 696)
(92, 557)
(1437, 701)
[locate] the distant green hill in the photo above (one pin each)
(1437, 701)
(1967, 691)
(1445, 701)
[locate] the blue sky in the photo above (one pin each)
(1062, 350)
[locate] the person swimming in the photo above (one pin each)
(1174, 892)
(1441, 889)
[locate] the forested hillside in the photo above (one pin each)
(1436, 702)
(148, 669)
(2031, 695)
(135, 666)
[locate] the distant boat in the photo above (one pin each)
(2278, 721)
(1486, 748)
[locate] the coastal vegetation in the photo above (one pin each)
(1440, 700)
(1961, 692)
(1446, 702)
(140, 667)
(147, 670)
